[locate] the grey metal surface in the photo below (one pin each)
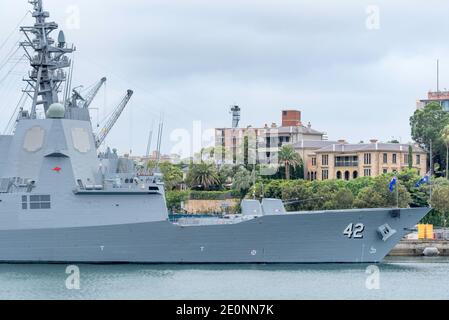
(290, 238)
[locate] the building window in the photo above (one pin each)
(367, 158)
(406, 158)
(418, 159)
(367, 172)
(347, 175)
(313, 161)
(325, 174)
(347, 161)
(395, 158)
(339, 175)
(355, 175)
(325, 160)
(385, 158)
(385, 171)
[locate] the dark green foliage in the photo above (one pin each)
(203, 176)
(173, 175)
(427, 125)
(175, 198)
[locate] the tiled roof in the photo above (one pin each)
(347, 148)
(313, 144)
(301, 129)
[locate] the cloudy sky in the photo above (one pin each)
(353, 73)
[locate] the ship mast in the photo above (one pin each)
(46, 59)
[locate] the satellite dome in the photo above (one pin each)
(56, 110)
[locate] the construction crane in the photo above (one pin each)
(101, 136)
(90, 96)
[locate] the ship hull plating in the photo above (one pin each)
(291, 238)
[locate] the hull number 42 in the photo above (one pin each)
(354, 231)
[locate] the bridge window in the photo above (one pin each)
(40, 202)
(24, 202)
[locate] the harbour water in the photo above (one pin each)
(398, 278)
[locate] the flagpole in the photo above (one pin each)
(397, 193)
(431, 174)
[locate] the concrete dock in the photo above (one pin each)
(413, 248)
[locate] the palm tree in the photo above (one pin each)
(445, 136)
(203, 175)
(288, 157)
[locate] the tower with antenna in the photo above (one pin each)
(235, 111)
(438, 96)
(48, 60)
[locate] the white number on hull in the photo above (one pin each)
(354, 231)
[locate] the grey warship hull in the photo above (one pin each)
(290, 238)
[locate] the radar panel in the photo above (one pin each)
(80, 139)
(34, 139)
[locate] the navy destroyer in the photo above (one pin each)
(61, 200)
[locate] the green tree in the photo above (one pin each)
(427, 125)
(173, 175)
(440, 202)
(379, 195)
(288, 158)
(445, 137)
(226, 174)
(151, 165)
(175, 199)
(419, 196)
(242, 182)
(203, 176)
(342, 199)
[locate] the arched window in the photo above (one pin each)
(355, 175)
(339, 175)
(347, 175)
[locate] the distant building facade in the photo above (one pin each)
(305, 148)
(155, 156)
(263, 143)
(349, 161)
(441, 97)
